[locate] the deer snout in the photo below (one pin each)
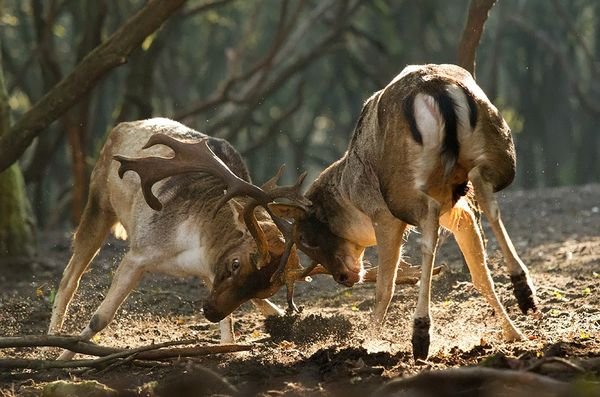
(212, 314)
(346, 278)
(347, 271)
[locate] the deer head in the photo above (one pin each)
(244, 271)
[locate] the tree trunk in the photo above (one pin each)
(16, 225)
(467, 49)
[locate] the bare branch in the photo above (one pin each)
(113, 52)
(284, 74)
(200, 8)
(261, 68)
(275, 127)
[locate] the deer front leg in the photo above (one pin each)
(126, 277)
(388, 232)
(95, 225)
(461, 222)
(226, 330)
(519, 275)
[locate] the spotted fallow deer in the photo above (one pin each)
(192, 229)
(418, 146)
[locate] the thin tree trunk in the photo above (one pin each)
(467, 49)
(76, 121)
(75, 134)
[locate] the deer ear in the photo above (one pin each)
(238, 215)
(288, 211)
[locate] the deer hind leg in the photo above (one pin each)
(125, 279)
(461, 222)
(422, 319)
(519, 275)
(93, 228)
(420, 209)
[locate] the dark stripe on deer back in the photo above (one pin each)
(472, 108)
(447, 107)
(408, 108)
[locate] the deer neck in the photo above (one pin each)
(334, 207)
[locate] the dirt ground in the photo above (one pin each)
(329, 352)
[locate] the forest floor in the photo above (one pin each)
(330, 353)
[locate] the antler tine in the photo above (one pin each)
(257, 233)
(147, 179)
(288, 229)
(272, 183)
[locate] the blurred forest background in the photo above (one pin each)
(284, 81)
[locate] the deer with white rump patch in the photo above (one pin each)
(417, 145)
(194, 230)
(239, 248)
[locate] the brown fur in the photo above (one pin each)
(183, 239)
(373, 192)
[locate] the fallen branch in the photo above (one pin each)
(72, 343)
(108, 355)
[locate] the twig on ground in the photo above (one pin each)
(109, 355)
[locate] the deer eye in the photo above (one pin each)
(235, 265)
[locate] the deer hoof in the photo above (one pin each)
(523, 292)
(420, 338)
(511, 334)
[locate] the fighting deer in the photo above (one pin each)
(192, 230)
(420, 143)
(238, 247)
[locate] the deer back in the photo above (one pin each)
(427, 128)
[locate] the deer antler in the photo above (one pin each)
(188, 157)
(198, 157)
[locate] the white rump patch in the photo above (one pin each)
(429, 120)
(430, 124)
